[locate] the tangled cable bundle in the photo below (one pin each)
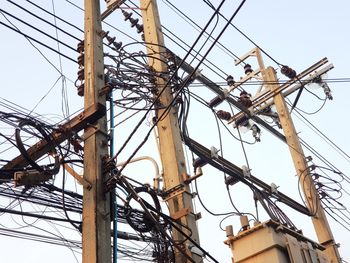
(135, 80)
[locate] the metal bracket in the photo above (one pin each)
(181, 213)
(188, 179)
(105, 90)
(77, 176)
(255, 52)
(172, 192)
(91, 130)
(76, 124)
(111, 6)
(30, 177)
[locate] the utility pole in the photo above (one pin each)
(274, 93)
(96, 203)
(322, 228)
(171, 151)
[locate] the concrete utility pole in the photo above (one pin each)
(323, 231)
(96, 203)
(171, 151)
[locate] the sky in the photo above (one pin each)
(297, 34)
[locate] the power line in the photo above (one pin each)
(37, 29)
(55, 16)
(245, 35)
(195, 25)
(44, 20)
(37, 41)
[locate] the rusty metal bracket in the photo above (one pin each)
(188, 179)
(181, 213)
(172, 192)
(105, 90)
(77, 176)
(93, 129)
(73, 126)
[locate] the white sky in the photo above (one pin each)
(295, 33)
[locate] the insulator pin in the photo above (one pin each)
(139, 28)
(80, 90)
(215, 101)
(81, 60)
(224, 115)
(243, 121)
(126, 15)
(80, 46)
(81, 73)
(230, 80)
(110, 40)
(133, 21)
(117, 45)
(247, 69)
(104, 34)
(244, 99)
(288, 72)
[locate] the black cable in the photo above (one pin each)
(174, 224)
(34, 215)
(323, 136)
(39, 238)
(37, 29)
(162, 91)
(149, 215)
(37, 41)
(242, 33)
(20, 146)
(211, 65)
(224, 48)
(70, 24)
(44, 20)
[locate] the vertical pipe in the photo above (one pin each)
(113, 197)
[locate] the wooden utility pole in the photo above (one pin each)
(322, 228)
(96, 204)
(171, 151)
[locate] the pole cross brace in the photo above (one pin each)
(73, 126)
(77, 176)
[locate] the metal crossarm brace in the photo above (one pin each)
(79, 122)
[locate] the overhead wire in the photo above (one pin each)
(198, 27)
(160, 93)
(47, 22)
(39, 42)
(245, 35)
(210, 65)
(39, 30)
(323, 136)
